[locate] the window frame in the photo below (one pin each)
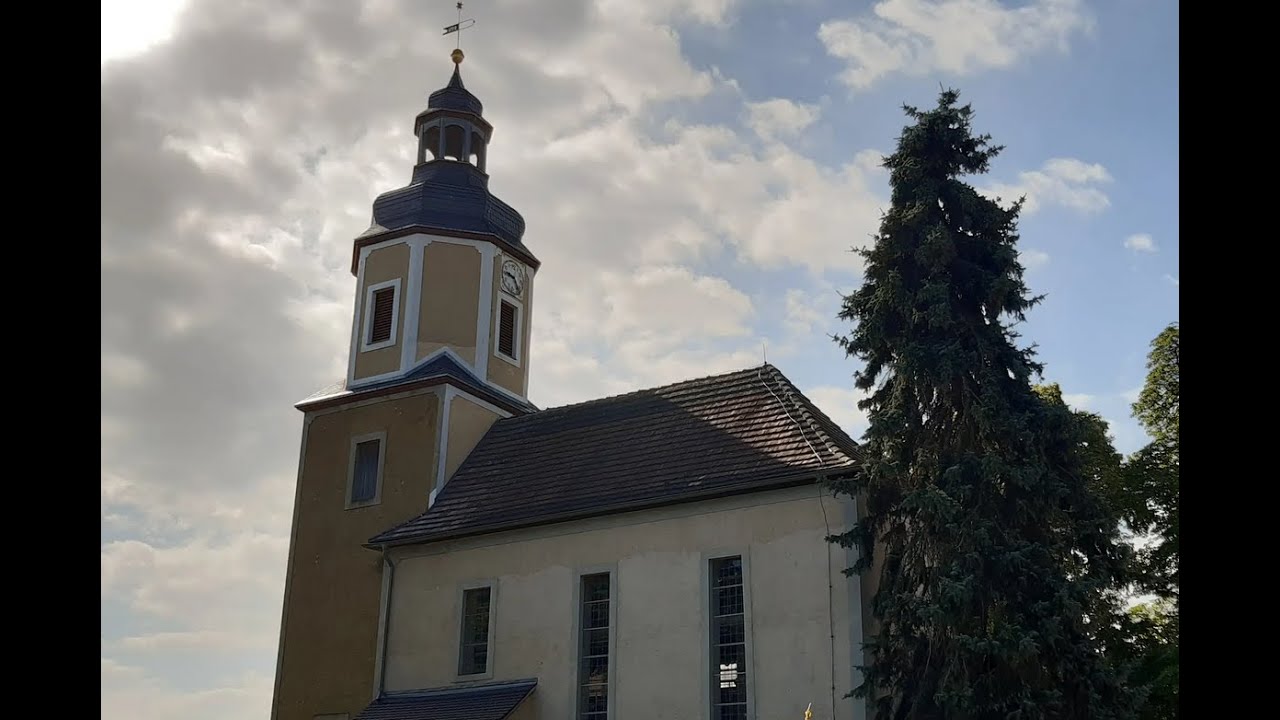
(576, 673)
(709, 645)
(460, 620)
(367, 323)
(517, 341)
(381, 437)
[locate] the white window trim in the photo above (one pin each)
(365, 345)
(518, 341)
(381, 437)
(708, 639)
(576, 639)
(492, 584)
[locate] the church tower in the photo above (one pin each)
(439, 352)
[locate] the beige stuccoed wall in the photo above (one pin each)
(468, 422)
(334, 589)
(661, 663)
(383, 264)
(450, 302)
(503, 372)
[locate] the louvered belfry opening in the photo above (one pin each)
(507, 330)
(383, 305)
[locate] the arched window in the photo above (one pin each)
(455, 140)
(477, 150)
(431, 141)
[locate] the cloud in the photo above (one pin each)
(961, 37)
(1140, 243)
(131, 692)
(802, 313)
(1062, 182)
(841, 405)
(1172, 280)
(780, 117)
(1033, 259)
(1080, 401)
(132, 27)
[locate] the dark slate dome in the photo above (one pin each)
(455, 96)
(449, 189)
(451, 196)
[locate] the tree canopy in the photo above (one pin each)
(995, 557)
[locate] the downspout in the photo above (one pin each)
(388, 584)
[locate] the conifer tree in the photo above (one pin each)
(994, 559)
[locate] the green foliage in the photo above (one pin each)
(1142, 644)
(998, 557)
(1102, 465)
(1145, 643)
(1154, 470)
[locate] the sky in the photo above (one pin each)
(693, 175)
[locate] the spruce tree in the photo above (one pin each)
(994, 558)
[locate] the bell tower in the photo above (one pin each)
(439, 352)
(441, 271)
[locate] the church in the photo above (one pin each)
(457, 553)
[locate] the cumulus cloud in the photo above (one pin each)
(841, 405)
(1033, 259)
(1063, 182)
(1140, 243)
(960, 37)
(780, 117)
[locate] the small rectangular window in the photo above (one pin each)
(508, 318)
(593, 648)
(383, 316)
(474, 658)
(364, 473)
(728, 640)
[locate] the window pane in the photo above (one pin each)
(730, 629)
(597, 642)
(729, 687)
(728, 640)
(731, 712)
(728, 571)
(593, 648)
(475, 632)
(595, 670)
(728, 600)
(364, 481)
(732, 657)
(595, 614)
(594, 701)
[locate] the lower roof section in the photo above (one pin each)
(486, 701)
(443, 368)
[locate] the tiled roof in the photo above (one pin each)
(742, 431)
(490, 701)
(448, 195)
(442, 366)
(455, 96)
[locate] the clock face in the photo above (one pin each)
(512, 277)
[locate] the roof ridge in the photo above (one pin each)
(543, 412)
(802, 408)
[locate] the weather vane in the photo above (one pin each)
(458, 27)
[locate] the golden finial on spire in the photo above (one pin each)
(458, 27)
